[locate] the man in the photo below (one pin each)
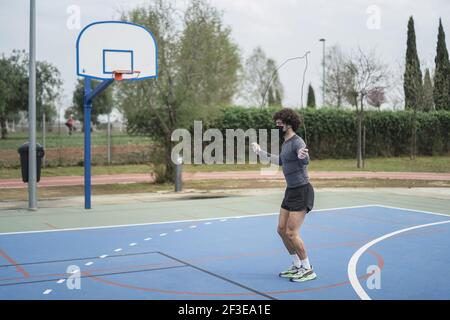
(299, 195)
(70, 124)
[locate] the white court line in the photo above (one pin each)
(118, 250)
(103, 256)
(147, 239)
(163, 234)
(351, 269)
(47, 291)
(419, 211)
(89, 264)
(178, 230)
(132, 244)
(176, 221)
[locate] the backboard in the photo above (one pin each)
(106, 48)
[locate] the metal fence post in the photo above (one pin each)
(178, 175)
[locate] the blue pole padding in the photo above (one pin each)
(87, 143)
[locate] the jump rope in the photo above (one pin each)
(269, 83)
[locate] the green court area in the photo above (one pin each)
(162, 207)
(12, 197)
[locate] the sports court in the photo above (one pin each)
(219, 241)
(228, 248)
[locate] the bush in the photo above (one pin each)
(331, 133)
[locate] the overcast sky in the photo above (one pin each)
(283, 28)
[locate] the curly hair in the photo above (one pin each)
(289, 117)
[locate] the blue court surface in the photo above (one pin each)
(368, 252)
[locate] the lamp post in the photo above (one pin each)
(323, 76)
(32, 201)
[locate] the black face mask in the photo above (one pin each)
(280, 131)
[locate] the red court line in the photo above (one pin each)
(51, 226)
(196, 260)
(380, 263)
(15, 264)
(379, 258)
(116, 270)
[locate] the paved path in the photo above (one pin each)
(235, 175)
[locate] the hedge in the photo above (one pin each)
(331, 133)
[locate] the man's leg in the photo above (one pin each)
(293, 230)
(295, 221)
(282, 230)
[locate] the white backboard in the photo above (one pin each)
(107, 46)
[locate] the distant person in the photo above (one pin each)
(70, 123)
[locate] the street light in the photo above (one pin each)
(323, 76)
(32, 201)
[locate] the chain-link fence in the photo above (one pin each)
(110, 145)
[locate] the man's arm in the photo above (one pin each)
(265, 156)
(302, 152)
(273, 158)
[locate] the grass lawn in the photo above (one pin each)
(401, 164)
(54, 140)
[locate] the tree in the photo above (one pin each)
(262, 83)
(14, 88)
(271, 98)
(428, 102)
(336, 80)
(412, 82)
(48, 90)
(13, 80)
(102, 104)
(376, 97)
(198, 68)
(413, 75)
(311, 98)
(441, 91)
(365, 73)
(275, 88)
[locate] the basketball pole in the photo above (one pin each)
(32, 200)
(89, 96)
(87, 143)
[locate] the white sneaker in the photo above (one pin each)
(303, 275)
(291, 271)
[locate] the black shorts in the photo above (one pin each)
(299, 198)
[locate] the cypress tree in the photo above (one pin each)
(271, 98)
(412, 83)
(311, 102)
(413, 75)
(278, 98)
(428, 102)
(441, 91)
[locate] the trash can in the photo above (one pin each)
(23, 151)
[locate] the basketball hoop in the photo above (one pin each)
(109, 51)
(118, 74)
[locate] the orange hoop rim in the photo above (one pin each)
(118, 74)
